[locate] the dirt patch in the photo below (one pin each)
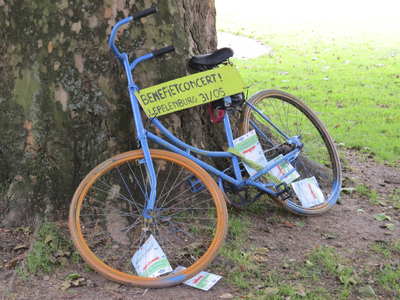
(349, 227)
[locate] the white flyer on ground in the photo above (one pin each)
(308, 192)
(150, 260)
(284, 168)
(250, 147)
(203, 281)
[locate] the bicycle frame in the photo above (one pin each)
(143, 135)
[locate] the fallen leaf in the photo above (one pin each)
(64, 261)
(78, 281)
(271, 290)
(390, 227)
(309, 264)
(285, 265)
(289, 224)
(59, 253)
(348, 190)
(382, 217)
(12, 263)
(344, 279)
(261, 250)
(193, 246)
(258, 258)
(28, 230)
(65, 285)
(226, 296)
(366, 291)
(48, 238)
(18, 247)
(340, 268)
(353, 280)
(73, 276)
(331, 234)
(300, 290)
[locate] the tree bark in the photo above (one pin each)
(64, 106)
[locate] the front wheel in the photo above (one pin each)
(318, 158)
(187, 226)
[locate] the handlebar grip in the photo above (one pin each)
(144, 13)
(163, 51)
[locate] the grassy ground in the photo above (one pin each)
(325, 272)
(345, 66)
(347, 70)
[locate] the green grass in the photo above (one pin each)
(257, 280)
(371, 193)
(347, 72)
(322, 273)
(49, 241)
(394, 197)
(388, 278)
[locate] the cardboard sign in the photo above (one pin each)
(190, 91)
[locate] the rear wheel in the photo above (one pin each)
(318, 157)
(188, 222)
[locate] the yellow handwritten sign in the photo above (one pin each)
(190, 91)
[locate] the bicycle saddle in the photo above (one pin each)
(201, 61)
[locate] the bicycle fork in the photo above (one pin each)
(142, 139)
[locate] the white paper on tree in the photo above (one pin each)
(308, 192)
(203, 281)
(150, 260)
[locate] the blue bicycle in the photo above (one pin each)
(139, 215)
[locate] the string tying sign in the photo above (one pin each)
(190, 91)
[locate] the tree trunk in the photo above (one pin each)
(64, 106)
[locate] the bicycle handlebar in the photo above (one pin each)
(134, 17)
(163, 51)
(144, 13)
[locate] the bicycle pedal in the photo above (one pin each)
(195, 184)
(283, 191)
